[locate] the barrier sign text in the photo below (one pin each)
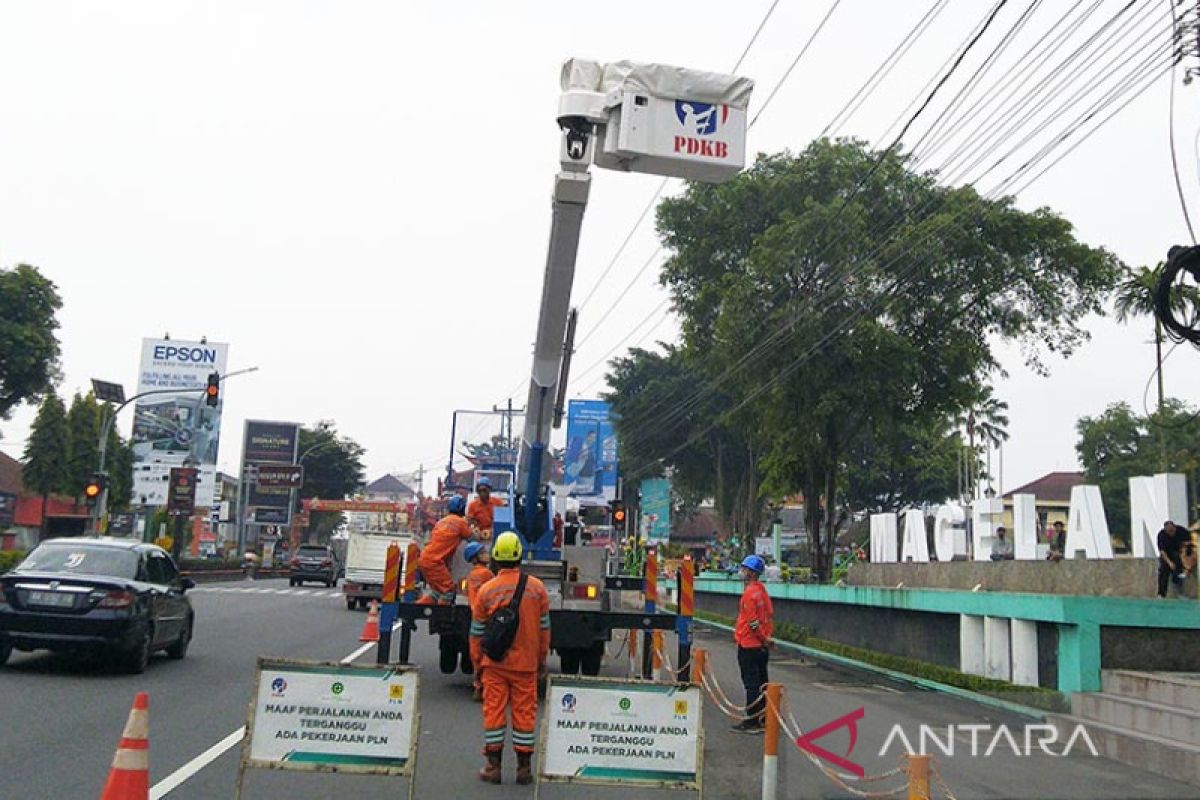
(333, 718)
(622, 732)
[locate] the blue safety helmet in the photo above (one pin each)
(457, 504)
(484, 481)
(472, 550)
(754, 564)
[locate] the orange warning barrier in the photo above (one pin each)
(391, 573)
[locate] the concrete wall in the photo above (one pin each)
(912, 634)
(1138, 648)
(934, 637)
(1119, 577)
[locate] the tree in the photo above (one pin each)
(836, 295)
(45, 469)
(717, 463)
(28, 304)
(333, 469)
(83, 442)
(1120, 444)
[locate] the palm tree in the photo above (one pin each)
(1135, 298)
(987, 415)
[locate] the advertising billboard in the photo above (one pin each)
(590, 464)
(270, 443)
(656, 510)
(175, 425)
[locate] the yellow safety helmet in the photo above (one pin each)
(507, 547)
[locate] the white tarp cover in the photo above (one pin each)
(657, 80)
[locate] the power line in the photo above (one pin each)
(788, 72)
(1187, 218)
(1059, 139)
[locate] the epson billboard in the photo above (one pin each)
(175, 425)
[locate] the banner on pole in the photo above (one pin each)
(590, 463)
(656, 510)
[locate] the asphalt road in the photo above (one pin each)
(61, 720)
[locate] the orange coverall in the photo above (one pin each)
(482, 514)
(439, 553)
(511, 682)
(475, 580)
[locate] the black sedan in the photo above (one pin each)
(96, 594)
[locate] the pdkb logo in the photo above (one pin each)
(624, 704)
(278, 687)
(337, 688)
(701, 119)
(568, 703)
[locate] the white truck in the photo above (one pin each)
(366, 559)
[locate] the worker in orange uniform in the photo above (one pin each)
(753, 636)
(481, 512)
(510, 680)
(435, 559)
(477, 556)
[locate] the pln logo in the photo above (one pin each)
(396, 693)
(681, 709)
(278, 687)
(568, 703)
(701, 119)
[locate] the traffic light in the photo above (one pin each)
(94, 488)
(617, 507)
(212, 394)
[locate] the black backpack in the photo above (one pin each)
(501, 628)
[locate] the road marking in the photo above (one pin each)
(188, 770)
(177, 778)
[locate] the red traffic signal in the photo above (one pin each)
(212, 393)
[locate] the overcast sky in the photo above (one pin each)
(355, 196)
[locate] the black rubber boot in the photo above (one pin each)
(491, 770)
(524, 768)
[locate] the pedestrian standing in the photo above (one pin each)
(753, 636)
(510, 671)
(478, 557)
(1171, 540)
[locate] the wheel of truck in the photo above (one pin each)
(447, 654)
(568, 660)
(592, 659)
(351, 603)
(362, 603)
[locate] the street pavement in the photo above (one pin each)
(61, 719)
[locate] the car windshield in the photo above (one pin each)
(83, 559)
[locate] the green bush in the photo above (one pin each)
(9, 559)
(1037, 696)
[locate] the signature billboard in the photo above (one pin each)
(268, 442)
(590, 464)
(175, 425)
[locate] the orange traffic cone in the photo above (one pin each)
(129, 778)
(371, 628)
